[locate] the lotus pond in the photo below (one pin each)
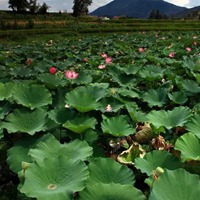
(113, 117)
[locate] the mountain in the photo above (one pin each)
(192, 13)
(136, 8)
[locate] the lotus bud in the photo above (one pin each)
(25, 165)
(157, 172)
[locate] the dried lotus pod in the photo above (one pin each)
(144, 135)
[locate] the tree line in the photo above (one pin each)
(80, 7)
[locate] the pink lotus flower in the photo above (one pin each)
(85, 59)
(195, 43)
(108, 108)
(141, 49)
(104, 55)
(52, 70)
(101, 66)
(172, 54)
(71, 74)
(188, 49)
(108, 60)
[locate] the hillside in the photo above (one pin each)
(136, 8)
(192, 13)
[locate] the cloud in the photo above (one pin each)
(193, 3)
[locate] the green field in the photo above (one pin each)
(20, 27)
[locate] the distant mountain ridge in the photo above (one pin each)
(137, 8)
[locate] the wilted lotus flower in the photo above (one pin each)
(188, 49)
(195, 37)
(104, 55)
(141, 49)
(108, 60)
(70, 74)
(101, 66)
(29, 61)
(172, 54)
(108, 108)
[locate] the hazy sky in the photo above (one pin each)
(60, 5)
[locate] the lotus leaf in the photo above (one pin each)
(5, 90)
(83, 78)
(80, 124)
(55, 178)
(193, 125)
(61, 115)
(1, 130)
(82, 100)
(112, 191)
(175, 185)
(19, 153)
(116, 126)
(115, 104)
(26, 121)
(76, 150)
(33, 96)
(129, 156)
(156, 97)
(135, 114)
(155, 159)
(170, 119)
(51, 81)
(178, 97)
(190, 86)
(189, 146)
(106, 170)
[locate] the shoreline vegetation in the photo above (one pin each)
(20, 27)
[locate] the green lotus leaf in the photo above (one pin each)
(169, 119)
(175, 185)
(1, 130)
(6, 90)
(156, 97)
(33, 96)
(190, 86)
(19, 153)
(178, 97)
(155, 159)
(193, 125)
(76, 150)
(133, 93)
(129, 156)
(82, 100)
(51, 81)
(61, 115)
(135, 114)
(26, 121)
(106, 170)
(189, 146)
(5, 108)
(151, 72)
(55, 178)
(80, 124)
(122, 78)
(112, 191)
(83, 78)
(116, 126)
(115, 104)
